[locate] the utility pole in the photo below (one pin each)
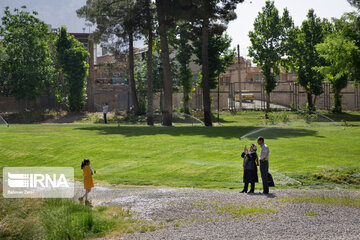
(239, 72)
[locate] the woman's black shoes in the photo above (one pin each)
(243, 191)
(252, 191)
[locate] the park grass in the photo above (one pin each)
(311, 213)
(51, 219)
(324, 199)
(192, 156)
(63, 219)
(231, 208)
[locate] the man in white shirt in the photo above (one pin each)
(264, 164)
(105, 111)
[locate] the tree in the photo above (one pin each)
(212, 14)
(150, 87)
(349, 27)
(72, 60)
(303, 56)
(220, 56)
(115, 20)
(2, 76)
(145, 15)
(27, 68)
(341, 54)
(162, 7)
(268, 44)
(169, 11)
(183, 56)
(355, 3)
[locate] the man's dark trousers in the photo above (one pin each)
(105, 120)
(264, 168)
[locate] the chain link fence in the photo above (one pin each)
(286, 95)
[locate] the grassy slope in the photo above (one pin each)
(181, 155)
(63, 219)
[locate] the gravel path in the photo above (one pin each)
(212, 214)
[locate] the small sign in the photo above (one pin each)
(38, 182)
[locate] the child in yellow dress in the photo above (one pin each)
(88, 180)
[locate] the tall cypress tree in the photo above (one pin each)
(72, 58)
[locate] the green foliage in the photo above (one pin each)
(35, 219)
(113, 19)
(158, 66)
(355, 3)
(141, 80)
(349, 27)
(141, 84)
(303, 56)
(71, 57)
(342, 55)
(220, 56)
(269, 42)
(339, 176)
(64, 219)
(183, 56)
(27, 67)
(277, 117)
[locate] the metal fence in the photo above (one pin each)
(286, 95)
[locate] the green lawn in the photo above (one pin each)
(190, 156)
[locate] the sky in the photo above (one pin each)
(62, 12)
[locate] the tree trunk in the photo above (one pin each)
(149, 113)
(132, 77)
(337, 108)
(310, 102)
(184, 67)
(186, 101)
(167, 111)
(267, 105)
(205, 73)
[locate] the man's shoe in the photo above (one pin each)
(251, 191)
(265, 192)
(243, 191)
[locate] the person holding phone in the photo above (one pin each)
(264, 164)
(250, 163)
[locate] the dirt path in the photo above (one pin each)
(216, 214)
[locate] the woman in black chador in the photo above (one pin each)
(250, 164)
